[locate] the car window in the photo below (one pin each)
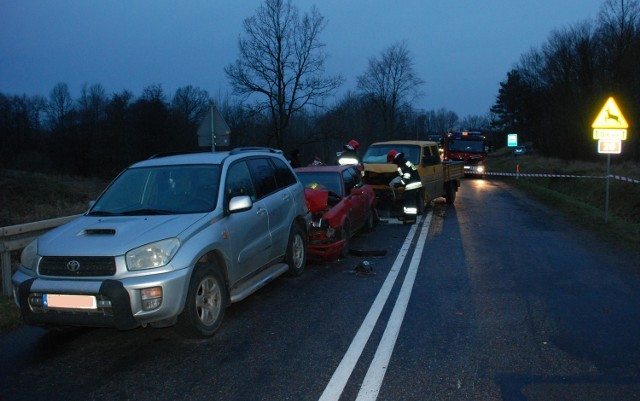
(263, 176)
(284, 175)
(239, 182)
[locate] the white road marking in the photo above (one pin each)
(373, 380)
(340, 377)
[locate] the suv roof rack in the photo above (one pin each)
(175, 153)
(235, 151)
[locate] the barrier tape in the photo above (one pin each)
(615, 177)
(625, 179)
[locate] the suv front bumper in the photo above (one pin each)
(118, 302)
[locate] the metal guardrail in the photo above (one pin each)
(15, 238)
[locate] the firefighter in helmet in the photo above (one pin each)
(408, 178)
(349, 154)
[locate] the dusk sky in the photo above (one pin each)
(462, 49)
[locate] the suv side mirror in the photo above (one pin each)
(240, 204)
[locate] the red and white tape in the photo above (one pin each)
(625, 179)
(615, 177)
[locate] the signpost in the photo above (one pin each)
(213, 130)
(512, 140)
(610, 129)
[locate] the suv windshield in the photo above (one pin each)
(378, 153)
(161, 190)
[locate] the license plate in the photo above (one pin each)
(64, 301)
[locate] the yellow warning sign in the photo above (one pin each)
(610, 116)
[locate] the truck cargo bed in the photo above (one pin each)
(453, 170)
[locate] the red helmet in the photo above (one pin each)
(391, 155)
(352, 145)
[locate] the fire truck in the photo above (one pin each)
(467, 146)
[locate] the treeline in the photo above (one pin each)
(550, 98)
(553, 95)
(98, 134)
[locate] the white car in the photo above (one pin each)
(171, 240)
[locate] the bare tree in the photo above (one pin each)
(391, 83)
(476, 122)
(618, 34)
(620, 17)
(92, 104)
(282, 61)
(191, 103)
(60, 106)
(440, 121)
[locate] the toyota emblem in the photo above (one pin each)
(73, 266)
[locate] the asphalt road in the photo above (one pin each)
(495, 298)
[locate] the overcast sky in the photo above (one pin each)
(462, 49)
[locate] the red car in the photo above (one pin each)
(341, 204)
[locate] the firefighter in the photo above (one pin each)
(349, 154)
(294, 158)
(408, 178)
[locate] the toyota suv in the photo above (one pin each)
(173, 240)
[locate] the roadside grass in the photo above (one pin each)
(582, 199)
(28, 197)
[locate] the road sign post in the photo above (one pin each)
(610, 129)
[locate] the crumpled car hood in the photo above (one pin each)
(317, 200)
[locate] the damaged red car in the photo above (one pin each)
(341, 205)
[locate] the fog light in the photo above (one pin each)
(151, 298)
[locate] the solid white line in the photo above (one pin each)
(340, 377)
(373, 380)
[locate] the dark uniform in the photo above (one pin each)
(408, 178)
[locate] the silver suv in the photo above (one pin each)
(172, 240)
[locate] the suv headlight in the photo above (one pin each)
(150, 256)
(29, 255)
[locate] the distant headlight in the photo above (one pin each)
(480, 169)
(151, 256)
(29, 255)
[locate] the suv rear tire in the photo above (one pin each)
(296, 256)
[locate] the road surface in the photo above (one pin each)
(493, 298)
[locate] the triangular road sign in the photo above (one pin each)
(610, 116)
(213, 130)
